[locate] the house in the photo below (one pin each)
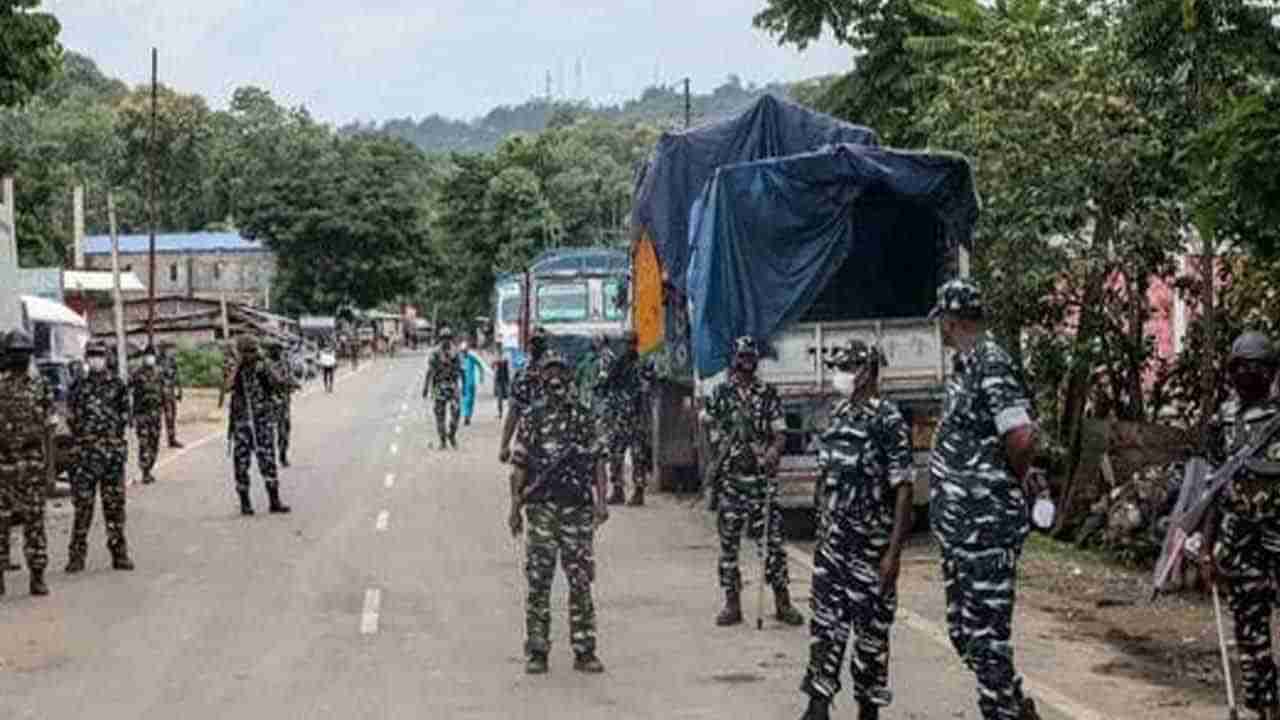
(203, 265)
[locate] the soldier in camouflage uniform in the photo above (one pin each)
(560, 484)
(978, 505)
(26, 414)
(253, 386)
(745, 419)
(172, 389)
(1244, 527)
(99, 413)
(147, 388)
(284, 400)
(444, 379)
(864, 509)
(526, 387)
(621, 394)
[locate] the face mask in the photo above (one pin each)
(149, 361)
(557, 385)
(1251, 381)
(843, 382)
(97, 364)
(745, 365)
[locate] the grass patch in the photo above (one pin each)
(200, 367)
(1046, 547)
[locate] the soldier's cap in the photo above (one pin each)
(17, 341)
(553, 357)
(247, 344)
(856, 354)
(1253, 345)
(96, 349)
(959, 298)
(746, 345)
(446, 333)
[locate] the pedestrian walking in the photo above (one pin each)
(99, 413)
(501, 382)
(26, 414)
(560, 486)
(444, 382)
(744, 416)
(328, 365)
(171, 378)
(473, 373)
(251, 426)
(864, 516)
(620, 394)
(147, 389)
(978, 503)
(1241, 547)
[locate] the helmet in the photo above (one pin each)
(746, 345)
(538, 341)
(17, 341)
(856, 354)
(1252, 345)
(959, 297)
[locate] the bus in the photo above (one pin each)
(508, 297)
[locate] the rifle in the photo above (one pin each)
(1190, 510)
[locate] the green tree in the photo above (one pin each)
(29, 50)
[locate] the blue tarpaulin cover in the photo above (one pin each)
(683, 162)
(769, 236)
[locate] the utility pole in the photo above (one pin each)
(77, 223)
(10, 302)
(688, 109)
(122, 354)
(151, 202)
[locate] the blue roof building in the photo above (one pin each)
(207, 265)
(185, 243)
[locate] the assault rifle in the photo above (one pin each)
(1199, 490)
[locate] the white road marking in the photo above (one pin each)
(384, 517)
(369, 618)
(404, 407)
(395, 449)
(397, 429)
(391, 480)
(938, 634)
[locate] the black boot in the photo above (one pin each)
(1, 583)
(75, 564)
(819, 709)
(637, 497)
(246, 507)
(588, 663)
(284, 460)
(731, 614)
(618, 496)
(120, 559)
(868, 711)
(147, 478)
(37, 582)
(273, 494)
(1029, 710)
(176, 445)
(786, 612)
(536, 664)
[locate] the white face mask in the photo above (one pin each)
(149, 361)
(97, 364)
(844, 383)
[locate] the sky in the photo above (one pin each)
(380, 59)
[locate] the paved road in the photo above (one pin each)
(392, 591)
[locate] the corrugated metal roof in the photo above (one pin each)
(582, 260)
(201, 242)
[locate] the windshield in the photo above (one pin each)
(563, 302)
(612, 292)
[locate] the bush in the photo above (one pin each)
(200, 367)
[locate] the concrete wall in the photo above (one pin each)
(243, 276)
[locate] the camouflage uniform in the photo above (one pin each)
(620, 391)
(747, 417)
(147, 388)
(99, 413)
(562, 452)
(444, 379)
(254, 387)
(865, 455)
(284, 407)
(978, 510)
(1248, 543)
(172, 392)
(26, 406)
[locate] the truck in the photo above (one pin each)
(801, 230)
(575, 294)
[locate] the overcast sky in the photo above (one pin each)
(378, 59)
